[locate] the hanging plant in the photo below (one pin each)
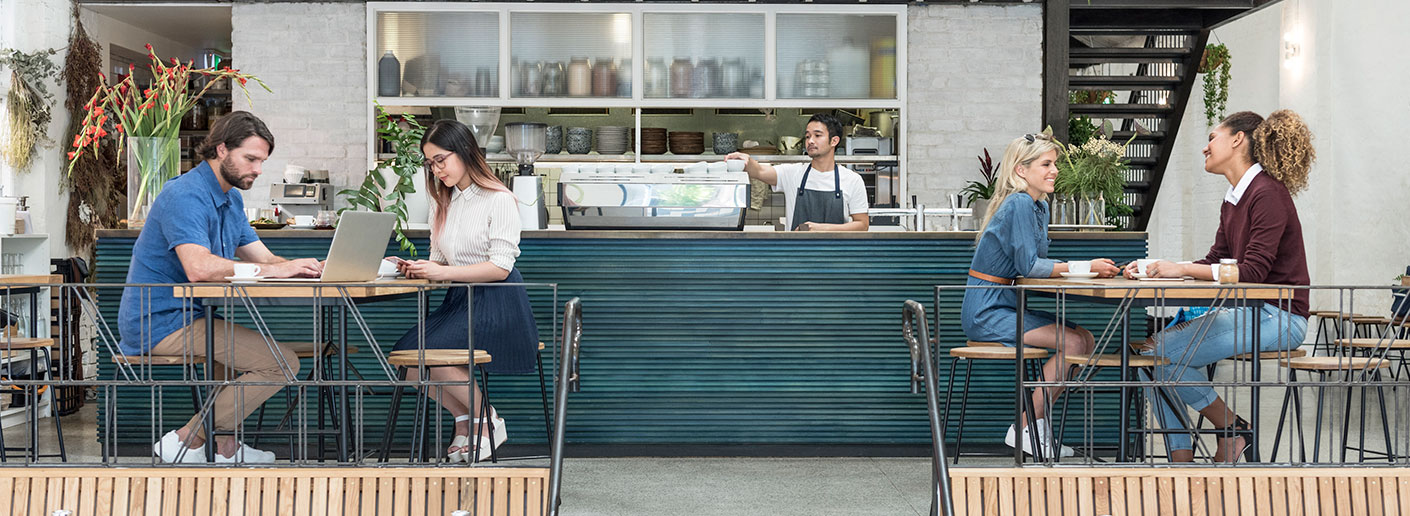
(1215, 66)
(27, 103)
(101, 200)
(405, 165)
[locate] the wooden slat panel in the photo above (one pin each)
(22, 497)
(352, 495)
(227, 496)
(1037, 496)
(185, 494)
(1295, 501)
(371, 496)
(1247, 497)
(435, 496)
(1054, 489)
(1006, 496)
(1327, 496)
(1199, 503)
(1403, 483)
(287, 489)
(335, 496)
(152, 504)
(451, 501)
(1311, 499)
(501, 496)
(108, 499)
(1358, 499)
(386, 495)
(1182, 496)
(254, 495)
(1279, 495)
(516, 496)
(1389, 496)
(417, 504)
(1069, 495)
(1118, 496)
(319, 498)
(1165, 494)
(302, 495)
(974, 498)
(536, 501)
(1134, 497)
(121, 495)
(1214, 492)
(1021, 493)
(1374, 505)
(87, 497)
(1344, 502)
(202, 496)
(1150, 495)
(1262, 494)
(401, 505)
(54, 495)
(269, 497)
(1231, 496)
(991, 495)
(483, 496)
(1101, 495)
(7, 494)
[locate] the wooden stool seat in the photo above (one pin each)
(1335, 363)
(159, 360)
(311, 350)
(1114, 360)
(1332, 313)
(1373, 343)
(24, 343)
(999, 353)
(1271, 355)
(436, 357)
(1339, 315)
(983, 344)
(1369, 319)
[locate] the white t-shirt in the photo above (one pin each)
(854, 191)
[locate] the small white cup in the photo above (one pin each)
(303, 220)
(386, 268)
(717, 167)
(697, 168)
(735, 165)
(1141, 266)
(1079, 267)
(246, 270)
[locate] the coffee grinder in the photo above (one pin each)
(526, 141)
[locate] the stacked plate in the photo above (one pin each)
(653, 140)
(613, 139)
(687, 142)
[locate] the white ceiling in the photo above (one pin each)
(197, 26)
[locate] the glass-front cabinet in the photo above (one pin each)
(836, 56)
(703, 55)
(436, 54)
(570, 54)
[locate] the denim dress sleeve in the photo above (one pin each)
(1027, 245)
(1015, 243)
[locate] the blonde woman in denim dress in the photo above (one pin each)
(1013, 242)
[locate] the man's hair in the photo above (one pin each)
(834, 127)
(232, 130)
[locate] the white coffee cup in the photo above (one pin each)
(387, 268)
(246, 270)
(303, 220)
(1141, 266)
(697, 168)
(735, 165)
(1079, 267)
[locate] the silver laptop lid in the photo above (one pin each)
(359, 244)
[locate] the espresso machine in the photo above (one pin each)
(526, 141)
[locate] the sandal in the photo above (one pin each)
(1240, 429)
(459, 450)
(483, 450)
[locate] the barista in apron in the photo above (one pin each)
(843, 207)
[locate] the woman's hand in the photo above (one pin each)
(425, 269)
(1104, 267)
(1165, 269)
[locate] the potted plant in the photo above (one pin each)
(1215, 65)
(386, 187)
(1400, 298)
(146, 121)
(1094, 175)
(978, 193)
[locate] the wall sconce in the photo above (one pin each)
(1291, 48)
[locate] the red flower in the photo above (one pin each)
(243, 81)
(166, 106)
(98, 111)
(101, 132)
(174, 62)
(88, 130)
(149, 47)
(119, 127)
(70, 155)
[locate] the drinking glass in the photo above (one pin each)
(325, 219)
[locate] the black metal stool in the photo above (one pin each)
(1367, 367)
(1032, 358)
(33, 395)
(422, 359)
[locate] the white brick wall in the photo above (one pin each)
(975, 80)
(314, 58)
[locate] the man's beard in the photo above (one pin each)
(232, 177)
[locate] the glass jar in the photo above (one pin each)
(579, 77)
(706, 77)
(604, 79)
(681, 80)
(657, 78)
(1228, 271)
(553, 84)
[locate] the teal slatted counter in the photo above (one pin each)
(714, 338)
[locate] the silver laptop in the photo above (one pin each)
(358, 246)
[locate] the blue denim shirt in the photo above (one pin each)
(192, 209)
(1014, 244)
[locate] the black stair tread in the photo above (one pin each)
(1077, 30)
(1141, 161)
(1129, 52)
(1122, 136)
(1120, 110)
(1123, 81)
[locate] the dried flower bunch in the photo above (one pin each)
(27, 104)
(155, 111)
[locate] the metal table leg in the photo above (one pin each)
(1122, 451)
(209, 417)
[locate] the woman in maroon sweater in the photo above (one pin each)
(1266, 162)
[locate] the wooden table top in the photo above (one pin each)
(1186, 289)
(30, 279)
(301, 290)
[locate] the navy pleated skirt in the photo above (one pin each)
(504, 326)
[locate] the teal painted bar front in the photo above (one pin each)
(715, 338)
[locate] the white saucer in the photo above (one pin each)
(238, 279)
(1138, 275)
(1078, 275)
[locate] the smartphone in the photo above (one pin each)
(396, 259)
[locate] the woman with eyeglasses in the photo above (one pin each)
(474, 239)
(1013, 242)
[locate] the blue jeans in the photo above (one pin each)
(1215, 336)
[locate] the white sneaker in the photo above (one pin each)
(1047, 444)
(246, 455)
(171, 450)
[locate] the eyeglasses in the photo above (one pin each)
(435, 162)
(1032, 137)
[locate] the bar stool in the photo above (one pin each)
(1328, 330)
(1032, 358)
(1323, 367)
(1098, 361)
(10, 347)
(1367, 326)
(1367, 347)
(324, 352)
(191, 366)
(421, 359)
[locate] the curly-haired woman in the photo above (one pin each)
(1266, 163)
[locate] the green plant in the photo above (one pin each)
(1080, 129)
(1096, 168)
(405, 163)
(28, 103)
(1215, 66)
(982, 189)
(1091, 96)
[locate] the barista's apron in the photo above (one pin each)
(819, 205)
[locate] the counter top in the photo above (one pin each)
(701, 235)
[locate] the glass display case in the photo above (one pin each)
(571, 55)
(836, 56)
(703, 55)
(436, 54)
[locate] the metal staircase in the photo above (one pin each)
(1146, 52)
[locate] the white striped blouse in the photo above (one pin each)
(482, 226)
